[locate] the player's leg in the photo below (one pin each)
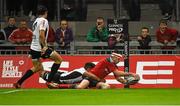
(102, 85)
(87, 82)
(53, 55)
(36, 67)
(84, 84)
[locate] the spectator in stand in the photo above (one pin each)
(166, 35)
(144, 39)
(64, 35)
(21, 35)
(98, 32)
(11, 26)
(51, 36)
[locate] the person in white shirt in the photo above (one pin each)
(39, 48)
(72, 77)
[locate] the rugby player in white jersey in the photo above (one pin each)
(65, 79)
(39, 48)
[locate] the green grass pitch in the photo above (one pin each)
(90, 97)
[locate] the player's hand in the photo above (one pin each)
(139, 38)
(136, 76)
(99, 28)
(165, 42)
(44, 50)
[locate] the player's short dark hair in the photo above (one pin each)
(163, 21)
(89, 65)
(41, 10)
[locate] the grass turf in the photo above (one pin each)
(90, 97)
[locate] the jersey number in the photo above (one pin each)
(34, 26)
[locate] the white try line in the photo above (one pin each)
(11, 91)
(91, 105)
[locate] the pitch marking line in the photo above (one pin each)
(90, 105)
(11, 91)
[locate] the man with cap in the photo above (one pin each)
(102, 69)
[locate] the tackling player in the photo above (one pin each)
(72, 77)
(102, 69)
(39, 48)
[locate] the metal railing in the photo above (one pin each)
(83, 47)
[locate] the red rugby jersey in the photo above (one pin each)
(103, 68)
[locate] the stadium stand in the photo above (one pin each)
(81, 46)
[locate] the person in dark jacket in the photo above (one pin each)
(64, 35)
(144, 39)
(11, 26)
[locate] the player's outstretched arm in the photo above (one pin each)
(118, 74)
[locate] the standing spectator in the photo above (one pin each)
(144, 39)
(64, 35)
(166, 35)
(11, 26)
(98, 32)
(21, 35)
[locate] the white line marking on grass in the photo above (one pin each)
(90, 105)
(11, 91)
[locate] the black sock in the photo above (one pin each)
(54, 69)
(25, 76)
(45, 76)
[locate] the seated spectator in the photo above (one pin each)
(166, 35)
(64, 35)
(113, 39)
(10, 27)
(144, 39)
(51, 36)
(98, 32)
(21, 35)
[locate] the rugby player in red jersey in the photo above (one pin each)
(102, 69)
